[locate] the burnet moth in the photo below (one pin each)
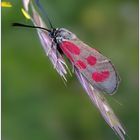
(95, 72)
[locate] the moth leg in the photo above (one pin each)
(73, 68)
(49, 51)
(52, 46)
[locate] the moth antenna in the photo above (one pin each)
(44, 12)
(29, 26)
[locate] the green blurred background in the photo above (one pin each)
(36, 105)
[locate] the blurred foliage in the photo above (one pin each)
(36, 104)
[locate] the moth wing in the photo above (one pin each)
(98, 69)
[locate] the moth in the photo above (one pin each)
(98, 69)
(95, 72)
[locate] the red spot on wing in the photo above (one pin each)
(100, 76)
(70, 47)
(81, 64)
(66, 52)
(91, 60)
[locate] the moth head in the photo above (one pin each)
(62, 34)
